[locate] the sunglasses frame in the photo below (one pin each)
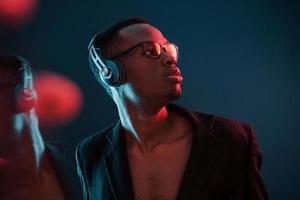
(125, 52)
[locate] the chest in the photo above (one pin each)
(158, 176)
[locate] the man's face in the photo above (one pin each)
(148, 78)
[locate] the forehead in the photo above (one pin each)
(140, 32)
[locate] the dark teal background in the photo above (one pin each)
(239, 59)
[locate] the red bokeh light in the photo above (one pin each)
(59, 99)
(3, 162)
(17, 11)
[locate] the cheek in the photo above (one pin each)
(145, 75)
(145, 72)
(144, 79)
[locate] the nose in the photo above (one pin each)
(169, 60)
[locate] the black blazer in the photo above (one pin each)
(224, 162)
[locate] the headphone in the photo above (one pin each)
(111, 72)
(25, 96)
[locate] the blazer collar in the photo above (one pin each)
(204, 151)
(117, 167)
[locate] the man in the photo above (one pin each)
(29, 168)
(158, 150)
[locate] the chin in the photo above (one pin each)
(174, 94)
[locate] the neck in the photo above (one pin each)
(147, 124)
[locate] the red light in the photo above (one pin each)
(3, 162)
(59, 99)
(17, 11)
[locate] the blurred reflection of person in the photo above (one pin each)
(29, 168)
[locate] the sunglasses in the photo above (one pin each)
(152, 50)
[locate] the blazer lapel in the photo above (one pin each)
(117, 168)
(204, 151)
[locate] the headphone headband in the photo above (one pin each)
(98, 61)
(27, 80)
(110, 71)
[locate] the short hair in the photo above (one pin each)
(108, 41)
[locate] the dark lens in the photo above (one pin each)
(152, 49)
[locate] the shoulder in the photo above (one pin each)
(94, 144)
(229, 131)
(237, 138)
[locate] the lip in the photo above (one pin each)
(175, 78)
(173, 72)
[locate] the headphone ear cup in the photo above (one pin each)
(116, 74)
(24, 99)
